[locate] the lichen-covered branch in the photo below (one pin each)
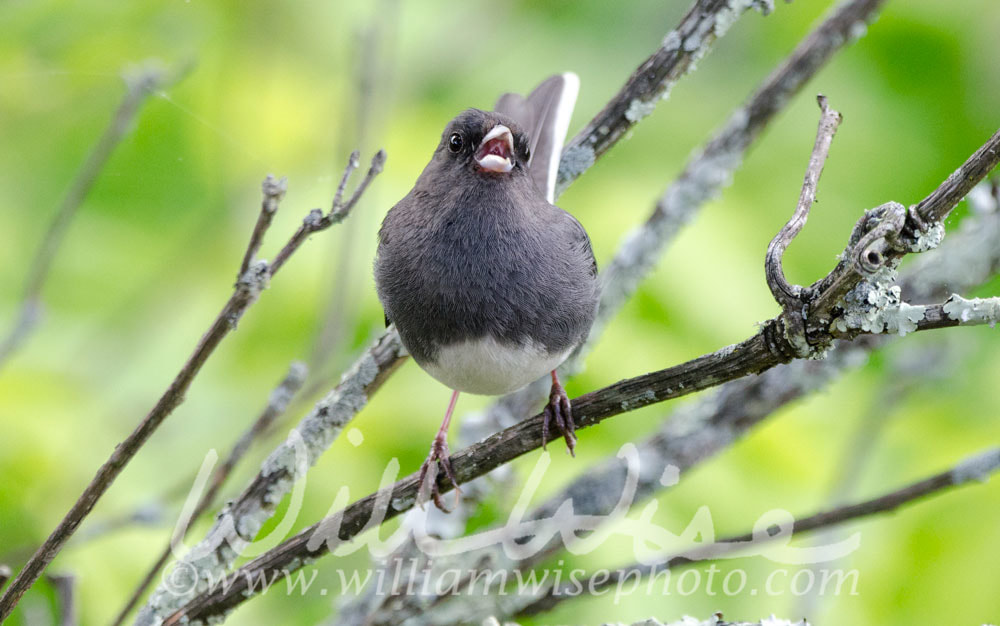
(766, 349)
(977, 468)
(277, 403)
(139, 84)
(705, 21)
(248, 289)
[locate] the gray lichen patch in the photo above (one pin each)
(672, 41)
(255, 279)
(638, 109)
(978, 467)
(875, 306)
(974, 311)
(928, 239)
(575, 161)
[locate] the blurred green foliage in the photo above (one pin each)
(153, 251)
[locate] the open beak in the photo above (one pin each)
(496, 152)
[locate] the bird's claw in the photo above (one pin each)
(558, 410)
(429, 489)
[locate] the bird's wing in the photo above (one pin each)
(582, 240)
(545, 116)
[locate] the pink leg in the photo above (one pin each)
(439, 454)
(558, 410)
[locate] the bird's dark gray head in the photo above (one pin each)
(483, 143)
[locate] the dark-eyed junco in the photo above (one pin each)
(489, 284)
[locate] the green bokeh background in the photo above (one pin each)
(152, 254)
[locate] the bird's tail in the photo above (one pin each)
(545, 116)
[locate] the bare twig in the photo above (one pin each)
(767, 348)
(977, 468)
(317, 220)
(138, 86)
(353, 162)
(273, 191)
(65, 587)
(276, 405)
(247, 290)
(788, 295)
(705, 21)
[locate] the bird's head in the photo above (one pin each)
(487, 144)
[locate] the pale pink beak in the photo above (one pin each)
(496, 152)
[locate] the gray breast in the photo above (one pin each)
(482, 266)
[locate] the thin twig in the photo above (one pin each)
(317, 220)
(138, 86)
(766, 349)
(353, 162)
(277, 403)
(273, 191)
(977, 468)
(786, 294)
(248, 289)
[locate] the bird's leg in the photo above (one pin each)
(558, 410)
(439, 454)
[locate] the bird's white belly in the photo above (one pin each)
(489, 367)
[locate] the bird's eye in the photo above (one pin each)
(455, 142)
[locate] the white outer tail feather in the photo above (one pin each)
(564, 112)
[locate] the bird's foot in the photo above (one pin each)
(558, 410)
(437, 459)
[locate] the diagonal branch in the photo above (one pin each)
(276, 405)
(977, 468)
(139, 85)
(705, 21)
(769, 347)
(248, 289)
